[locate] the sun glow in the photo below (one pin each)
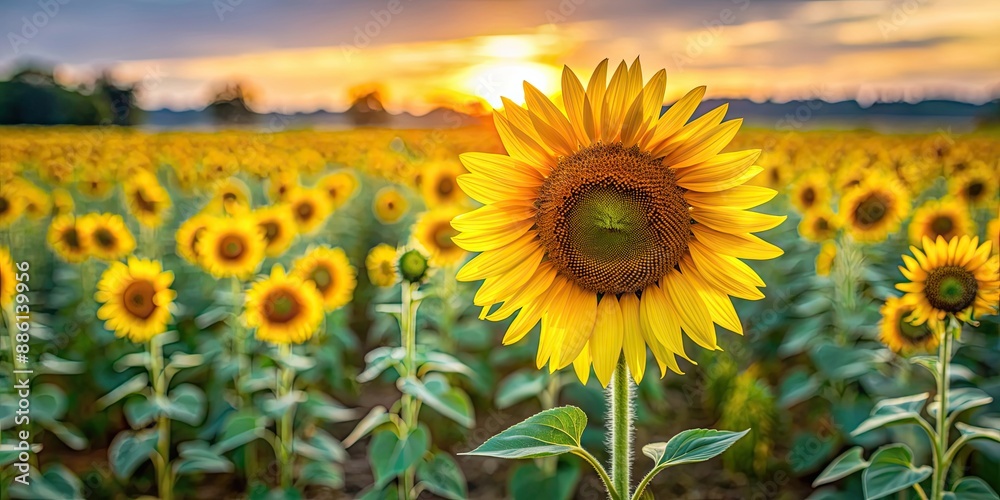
(491, 80)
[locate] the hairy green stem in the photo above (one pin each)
(940, 475)
(620, 426)
(164, 475)
(286, 458)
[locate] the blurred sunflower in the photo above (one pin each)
(279, 186)
(389, 205)
(8, 279)
(824, 261)
(188, 235)
(146, 200)
(339, 187)
(278, 226)
(957, 277)
(811, 191)
(381, 265)
(819, 224)
(945, 218)
(11, 204)
(433, 232)
(993, 233)
(977, 187)
(95, 186)
(232, 196)
(875, 208)
(109, 238)
(283, 308)
(438, 185)
(69, 237)
(310, 209)
(605, 202)
(232, 246)
(850, 177)
(136, 299)
(62, 202)
(36, 201)
(899, 334)
(332, 274)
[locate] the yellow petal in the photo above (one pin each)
(521, 146)
(573, 100)
(486, 191)
(634, 346)
(596, 88)
(482, 240)
(578, 319)
(741, 246)
(676, 116)
(739, 197)
(581, 365)
(541, 107)
(721, 172)
(606, 341)
(690, 308)
(736, 221)
(487, 217)
(703, 147)
(502, 169)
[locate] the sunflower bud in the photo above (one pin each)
(413, 266)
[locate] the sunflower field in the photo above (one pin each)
(547, 307)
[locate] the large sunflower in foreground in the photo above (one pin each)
(957, 277)
(332, 274)
(875, 208)
(615, 227)
(136, 299)
(283, 308)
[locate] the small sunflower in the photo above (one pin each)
(36, 202)
(819, 224)
(434, 233)
(899, 334)
(279, 186)
(945, 218)
(11, 204)
(381, 265)
(95, 187)
(278, 226)
(977, 187)
(136, 299)
(283, 308)
(957, 277)
(439, 185)
(62, 202)
(146, 200)
(332, 274)
(69, 237)
(389, 205)
(232, 196)
(875, 208)
(8, 278)
(230, 247)
(339, 187)
(109, 238)
(811, 191)
(310, 209)
(188, 234)
(993, 234)
(824, 261)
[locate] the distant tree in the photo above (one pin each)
(366, 108)
(32, 96)
(991, 116)
(120, 100)
(231, 105)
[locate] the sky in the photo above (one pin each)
(302, 55)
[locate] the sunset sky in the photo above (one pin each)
(300, 55)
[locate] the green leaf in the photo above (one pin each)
(893, 411)
(51, 363)
(260, 379)
(129, 450)
(48, 402)
(449, 401)
(891, 470)
(133, 360)
(529, 482)
(276, 407)
(443, 477)
(378, 360)
(797, 387)
(134, 385)
(973, 488)
(321, 473)
(197, 457)
(140, 411)
(433, 361)
(974, 432)
(321, 446)
(692, 445)
(323, 407)
(69, 434)
(390, 456)
(57, 483)
(551, 432)
(520, 386)
(240, 428)
(186, 404)
(376, 417)
(961, 399)
(846, 464)
(180, 360)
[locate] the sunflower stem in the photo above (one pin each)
(243, 373)
(286, 458)
(620, 425)
(409, 407)
(940, 475)
(164, 475)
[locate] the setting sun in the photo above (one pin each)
(491, 80)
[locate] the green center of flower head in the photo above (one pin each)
(951, 288)
(231, 247)
(942, 225)
(613, 219)
(321, 276)
(911, 331)
(413, 266)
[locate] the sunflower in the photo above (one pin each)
(109, 238)
(439, 186)
(993, 233)
(281, 185)
(824, 261)
(95, 187)
(136, 299)
(819, 224)
(309, 208)
(332, 274)
(232, 246)
(608, 201)
(381, 265)
(283, 308)
(146, 199)
(433, 232)
(899, 334)
(278, 227)
(957, 277)
(977, 187)
(69, 237)
(339, 187)
(875, 208)
(37, 203)
(945, 218)
(188, 235)
(232, 196)
(11, 204)
(62, 202)
(8, 278)
(811, 191)
(389, 205)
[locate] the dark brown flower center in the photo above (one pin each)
(231, 247)
(281, 306)
(304, 211)
(4, 205)
(322, 277)
(71, 237)
(942, 225)
(613, 219)
(975, 188)
(144, 204)
(443, 233)
(951, 288)
(105, 238)
(446, 185)
(871, 210)
(272, 230)
(808, 196)
(138, 299)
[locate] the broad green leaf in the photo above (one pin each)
(890, 470)
(134, 385)
(973, 488)
(433, 361)
(133, 360)
(961, 399)
(956, 371)
(180, 360)
(323, 407)
(48, 403)
(520, 386)
(376, 417)
(260, 379)
(129, 450)
(390, 456)
(296, 362)
(974, 432)
(529, 482)
(186, 403)
(276, 407)
(56, 483)
(197, 457)
(551, 432)
(893, 411)
(846, 464)
(321, 446)
(50, 363)
(797, 387)
(240, 428)
(692, 445)
(140, 411)
(449, 401)
(443, 477)
(323, 474)
(378, 360)
(68, 433)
